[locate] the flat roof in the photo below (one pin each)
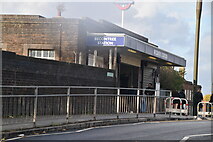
(124, 40)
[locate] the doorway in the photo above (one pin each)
(128, 76)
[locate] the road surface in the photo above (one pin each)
(164, 130)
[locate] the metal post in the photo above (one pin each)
(68, 104)
(118, 102)
(35, 106)
(181, 107)
(122, 18)
(95, 102)
(138, 93)
(155, 104)
(170, 101)
(196, 50)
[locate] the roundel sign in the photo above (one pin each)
(124, 4)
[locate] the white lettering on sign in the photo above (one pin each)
(157, 53)
(105, 38)
(164, 55)
(160, 54)
(105, 43)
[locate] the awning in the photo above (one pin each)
(126, 41)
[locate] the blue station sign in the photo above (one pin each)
(105, 40)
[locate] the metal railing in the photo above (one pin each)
(181, 105)
(35, 103)
(205, 109)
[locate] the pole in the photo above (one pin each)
(196, 51)
(68, 105)
(95, 102)
(118, 102)
(155, 104)
(197, 34)
(122, 18)
(138, 93)
(35, 106)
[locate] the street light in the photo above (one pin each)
(196, 51)
(197, 34)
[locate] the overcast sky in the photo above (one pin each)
(170, 25)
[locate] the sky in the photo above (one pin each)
(170, 25)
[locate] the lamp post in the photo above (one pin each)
(197, 34)
(196, 51)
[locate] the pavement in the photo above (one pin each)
(13, 127)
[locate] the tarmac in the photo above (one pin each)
(14, 127)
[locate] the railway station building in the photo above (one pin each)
(134, 60)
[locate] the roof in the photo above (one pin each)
(124, 40)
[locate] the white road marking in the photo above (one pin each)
(84, 129)
(61, 133)
(190, 136)
(78, 131)
(13, 139)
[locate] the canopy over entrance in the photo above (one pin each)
(130, 45)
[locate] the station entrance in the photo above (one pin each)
(128, 76)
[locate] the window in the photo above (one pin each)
(44, 54)
(90, 60)
(99, 61)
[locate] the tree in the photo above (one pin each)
(170, 79)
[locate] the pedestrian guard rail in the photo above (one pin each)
(182, 108)
(34, 105)
(205, 109)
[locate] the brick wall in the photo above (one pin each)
(23, 32)
(21, 70)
